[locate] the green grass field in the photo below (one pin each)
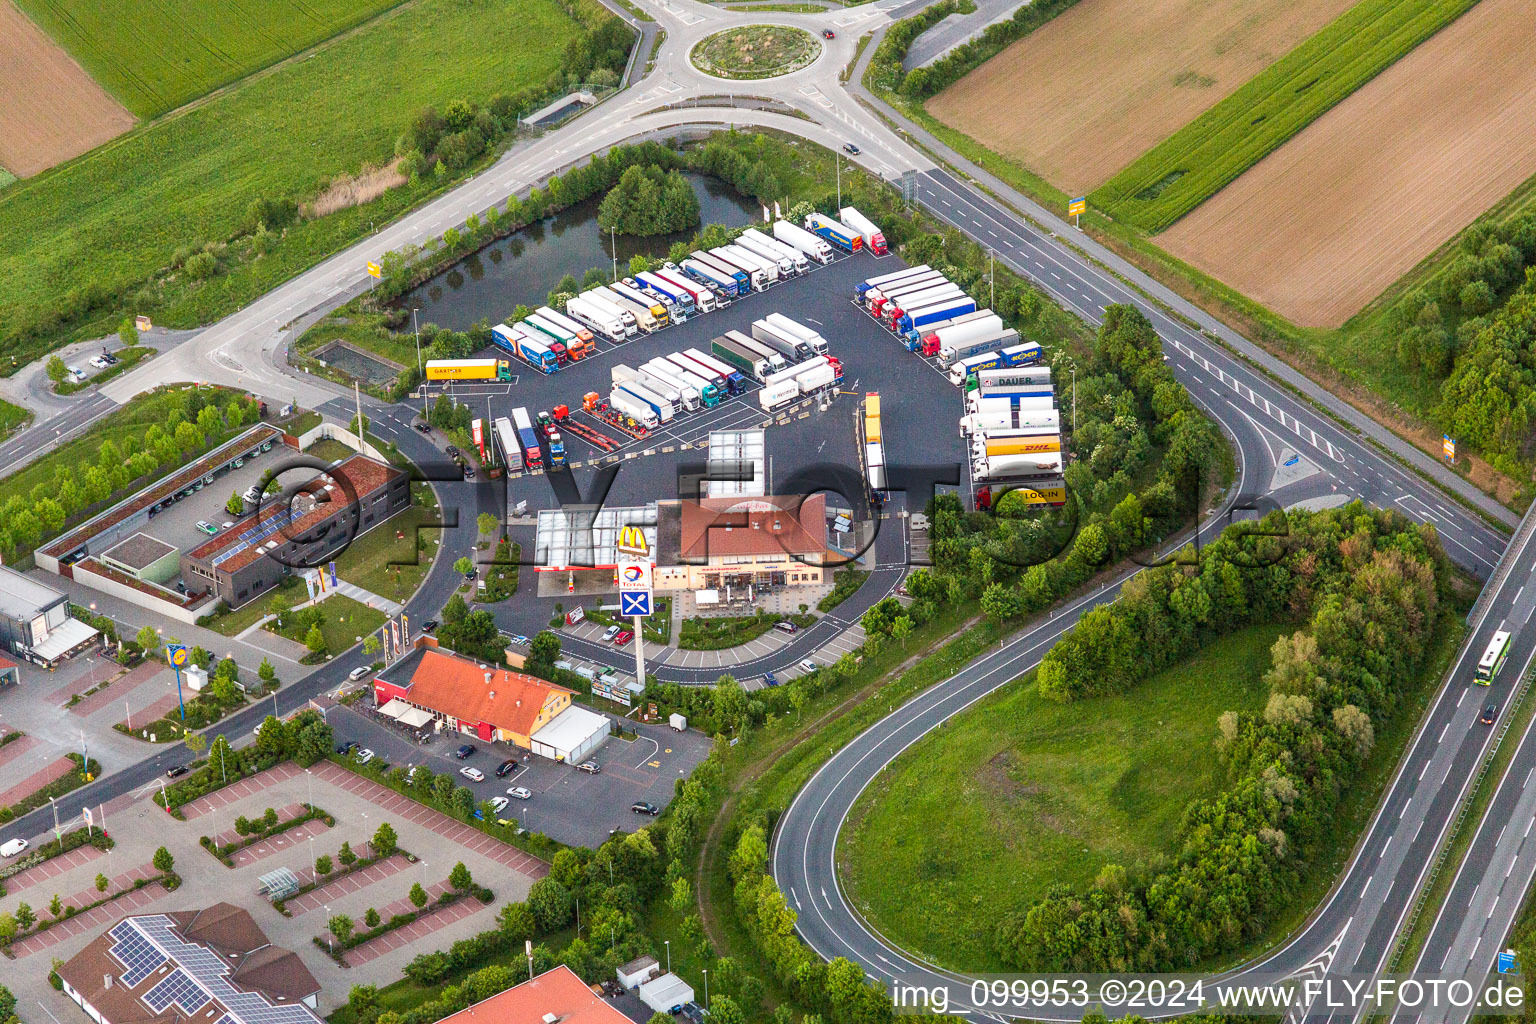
(117, 214)
(155, 56)
(1205, 155)
(1020, 792)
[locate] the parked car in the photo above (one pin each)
(769, 679)
(176, 771)
(807, 665)
(345, 746)
(13, 847)
(1490, 712)
(499, 804)
(425, 428)
(453, 451)
(108, 356)
(519, 793)
(610, 633)
(77, 375)
(472, 575)
(99, 362)
(252, 494)
(785, 626)
(364, 756)
(469, 472)
(359, 672)
(590, 767)
(464, 751)
(207, 527)
(624, 637)
(507, 767)
(472, 774)
(645, 807)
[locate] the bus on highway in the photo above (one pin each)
(1493, 657)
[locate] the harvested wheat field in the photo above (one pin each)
(1326, 222)
(50, 109)
(1094, 88)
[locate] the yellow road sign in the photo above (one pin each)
(374, 270)
(1077, 207)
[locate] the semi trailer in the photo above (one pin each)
(785, 325)
(839, 235)
(779, 393)
(507, 440)
(604, 320)
(622, 374)
(600, 297)
(469, 369)
(624, 402)
(740, 281)
(874, 241)
(747, 362)
(533, 455)
(787, 345)
(790, 260)
(795, 236)
(757, 277)
(664, 372)
(946, 309)
(734, 381)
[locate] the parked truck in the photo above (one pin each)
(600, 297)
(795, 329)
(664, 372)
(997, 377)
(575, 348)
(685, 371)
(914, 339)
(1011, 418)
(622, 374)
(780, 393)
(945, 309)
(668, 291)
(882, 281)
(636, 297)
(839, 235)
(743, 256)
(561, 320)
(603, 319)
(710, 277)
(1008, 403)
(898, 304)
(468, 369)
(509, 444)
(757, 277)
(1040, 493)
(662, 407)
(627, 404)
(874, 241)
(741, 282)
(790, 261)
(787, 345)
(703, 293)
(647, 321)
(775, 358)
(947, 357)
(533, 455)
(811, 375)
(1016, 441)
(962, 371)
(528, 346)
(735, 383)
(747, 362)
(882, 302)
(1016, 467)
(973, 328)
(794, 235)
(721, 385)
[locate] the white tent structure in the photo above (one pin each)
(571, 736)
(663, 993)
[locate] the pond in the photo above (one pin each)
(523, 267)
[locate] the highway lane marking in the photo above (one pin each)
(1461, 698)
(1528, 775)
(1406, 805)
(1443, 732)
(1388, 843)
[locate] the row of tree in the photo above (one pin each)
(1489, 399)
(1368, 584)
(922, 82)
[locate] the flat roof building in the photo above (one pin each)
(144, 558)
(35, 623)
(211, 965)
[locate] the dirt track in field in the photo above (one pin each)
(50, 109)
(1325, 223)
(1091, 90)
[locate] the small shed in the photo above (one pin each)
(637, 972)
(571, 736)
(663, 993)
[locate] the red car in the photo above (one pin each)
(624, 637)
(826, 33)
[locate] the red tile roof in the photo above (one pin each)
(557, 991)
(453, 685)
(774, 525)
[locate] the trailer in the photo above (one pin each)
(1014, 391)
(747, 362)
(874, 299)
(533, 455)
(636, 297)
(604, 320)
(790, 260)
(741, 283)
(775, 358)
(711, 277)
(840, 235)
(704, 373)
(665, 372)
(1010, 406)
(894, 277)
(596, 438)
(667, 291)
(973, 328)
(781, 393)
(647, 321)
(746, 258)
(628, 405)
(871, 417)
(784, 324)
(575, 348)
(796, 237)
(507, 442)
(703, 297)
(599, 297)
(949, 356)
(874, 241)
(914, 339)
(757, 277)
(527, 345)
(965, 369)
(734, 381)
(1043, 493)
(1016, 467)
(896, 305)
(1009, 376)
(662, 407)
(813, 375)
(565, 323)
(469, 369)
(787, 345)
(923, 316)
(1012, 418)
(1016, 442)
(622, 374)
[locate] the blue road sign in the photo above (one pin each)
(1507, 963)
(634, 602)
(1293, 460)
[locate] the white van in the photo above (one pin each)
(13, 847)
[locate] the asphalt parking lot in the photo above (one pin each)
(176, 524)
(568, 805)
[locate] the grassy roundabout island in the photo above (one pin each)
(755, 51)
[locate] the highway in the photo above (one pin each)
(1236, 383)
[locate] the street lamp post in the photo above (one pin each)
(669, 954)
(55, 805)
(706, 988)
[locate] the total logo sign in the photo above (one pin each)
(635, 576)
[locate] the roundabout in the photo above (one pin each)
(755, 51)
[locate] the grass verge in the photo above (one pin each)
(393, 558)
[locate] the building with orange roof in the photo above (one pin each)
(556, 995)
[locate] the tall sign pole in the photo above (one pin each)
(635, 587)
(177, 655)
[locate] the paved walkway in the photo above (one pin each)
(37, 780)
(118, 690)
(388, 800)
(49, 868)
(15, 749)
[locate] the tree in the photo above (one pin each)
(8, 928)
(235, 506)
(487, 522)
(323, 864)
(194, 742)
(363, 1000)
(462, 565)
(724, 1010)
(371, 644)
(24, 916)
(148, 641)
(102, 883)
(57, 371)
(463, 801)
(163, 861)
(459, 877)
(56, 905)
(340, 926)
(385, 842)
(418, 896)
(266, 671)
(545, 648)
(371, 918)
(315, 640)
(682, 895)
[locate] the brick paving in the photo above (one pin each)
(472, 839)
(91, 920)
(119, 689)
(14, 749)
(154, 710)
(85, 897)
(419, 928)
(287, 813)
(49, 868)
(279, 843)
(239, 790)
(37, 780)
(348, 884)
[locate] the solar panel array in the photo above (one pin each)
(140, 957)
(201, 975)
(177, 987)
(255, 534)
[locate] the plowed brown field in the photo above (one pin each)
(1094, 88)
(50, 109)
(1326, 222)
